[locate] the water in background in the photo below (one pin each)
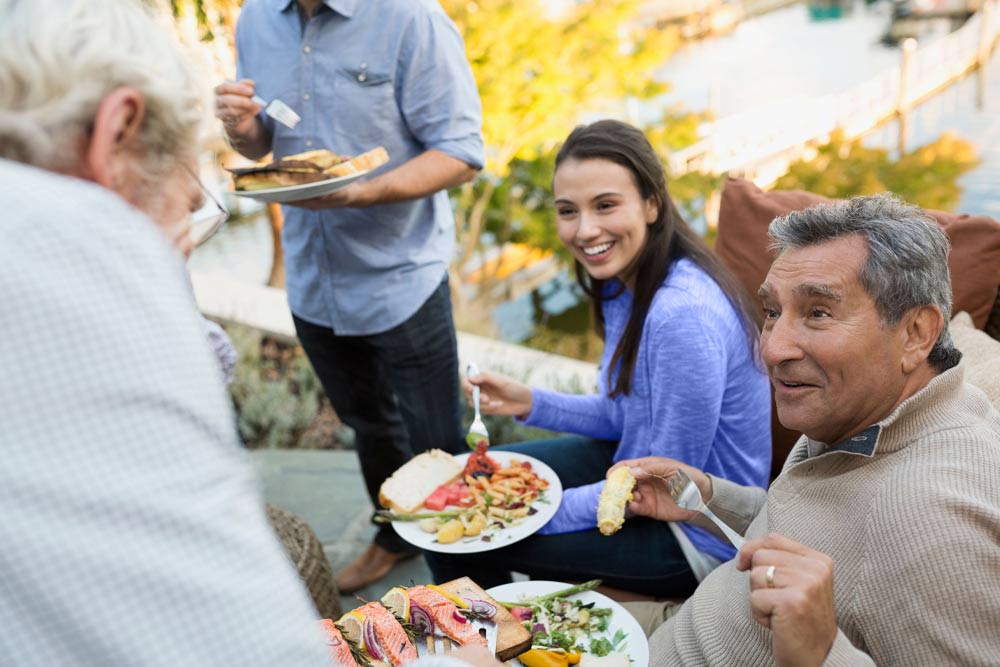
(786, 52)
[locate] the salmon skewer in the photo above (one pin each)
(340, 650)
(390, 641)
(444, 614)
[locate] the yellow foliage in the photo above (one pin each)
(538, 70)
(513, 257)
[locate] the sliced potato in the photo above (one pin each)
(452, 531)
(475, 525)
(429, 525)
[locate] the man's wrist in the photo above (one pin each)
(364, 195)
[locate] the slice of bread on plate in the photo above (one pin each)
(408, 487)
(302, 168)
(364, 162)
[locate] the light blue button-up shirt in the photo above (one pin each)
(361, 74)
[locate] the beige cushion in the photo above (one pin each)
(980, 354)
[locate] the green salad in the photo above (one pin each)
(557, 622)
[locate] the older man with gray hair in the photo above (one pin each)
(879, 543)
(132, 531)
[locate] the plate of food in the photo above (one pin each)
(424, 619)
(576, 620)
(469, 503)
(304, 175)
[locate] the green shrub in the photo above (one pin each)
(275, 391)
(277, 398)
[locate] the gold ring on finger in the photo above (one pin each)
(769, 576)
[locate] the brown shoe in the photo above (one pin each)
(368, 568)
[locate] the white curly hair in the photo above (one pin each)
(60, 58)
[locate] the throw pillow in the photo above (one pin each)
(745, 213)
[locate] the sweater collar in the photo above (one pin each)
(921, 413)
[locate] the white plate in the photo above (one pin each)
(410, 531)
(636, 645)
(291, 193)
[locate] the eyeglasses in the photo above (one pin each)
(208, 220)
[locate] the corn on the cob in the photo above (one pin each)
(611, 507)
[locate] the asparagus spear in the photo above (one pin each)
(565, 592)
(387, 516)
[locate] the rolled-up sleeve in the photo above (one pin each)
(436, 90)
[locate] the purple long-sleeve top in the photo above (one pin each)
(698, 396)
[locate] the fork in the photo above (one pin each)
(477, 431)
(437, 645)
(687, 496)
(279, 111)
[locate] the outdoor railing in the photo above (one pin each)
(737, 142)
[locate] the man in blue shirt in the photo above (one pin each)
(367, 265)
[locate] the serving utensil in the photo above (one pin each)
(437, 645)
(279, 111)
(687, 496)
(477, 431)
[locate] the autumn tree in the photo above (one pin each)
(927, 176)
(521, 209)
(539, 68)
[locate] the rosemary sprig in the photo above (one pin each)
(411, 630)
(359, 654)
(476, 615)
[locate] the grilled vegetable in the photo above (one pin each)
(542, 658)
(450, 532)
(611, 506)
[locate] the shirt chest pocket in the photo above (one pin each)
(365, 100)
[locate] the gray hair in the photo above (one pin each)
(907, 264)
(60, 58)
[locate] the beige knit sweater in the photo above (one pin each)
(913, 527)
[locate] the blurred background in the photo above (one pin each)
(838, 97)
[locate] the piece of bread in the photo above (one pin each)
(320, 159)
(309, 167)
(408, 487)
(264, 180)
(364, 162)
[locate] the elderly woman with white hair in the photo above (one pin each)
(132, 529)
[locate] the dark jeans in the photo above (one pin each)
(398, 390)
(643, 556)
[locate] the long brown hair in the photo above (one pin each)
(668, 238)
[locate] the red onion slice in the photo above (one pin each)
(482, 609)
(421, 618)
(371, 640)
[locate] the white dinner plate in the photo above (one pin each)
(636, 645)
(291, 193)
(411, 532)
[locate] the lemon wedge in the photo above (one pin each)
(459, 602)
(352, 623)
(396, 601)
